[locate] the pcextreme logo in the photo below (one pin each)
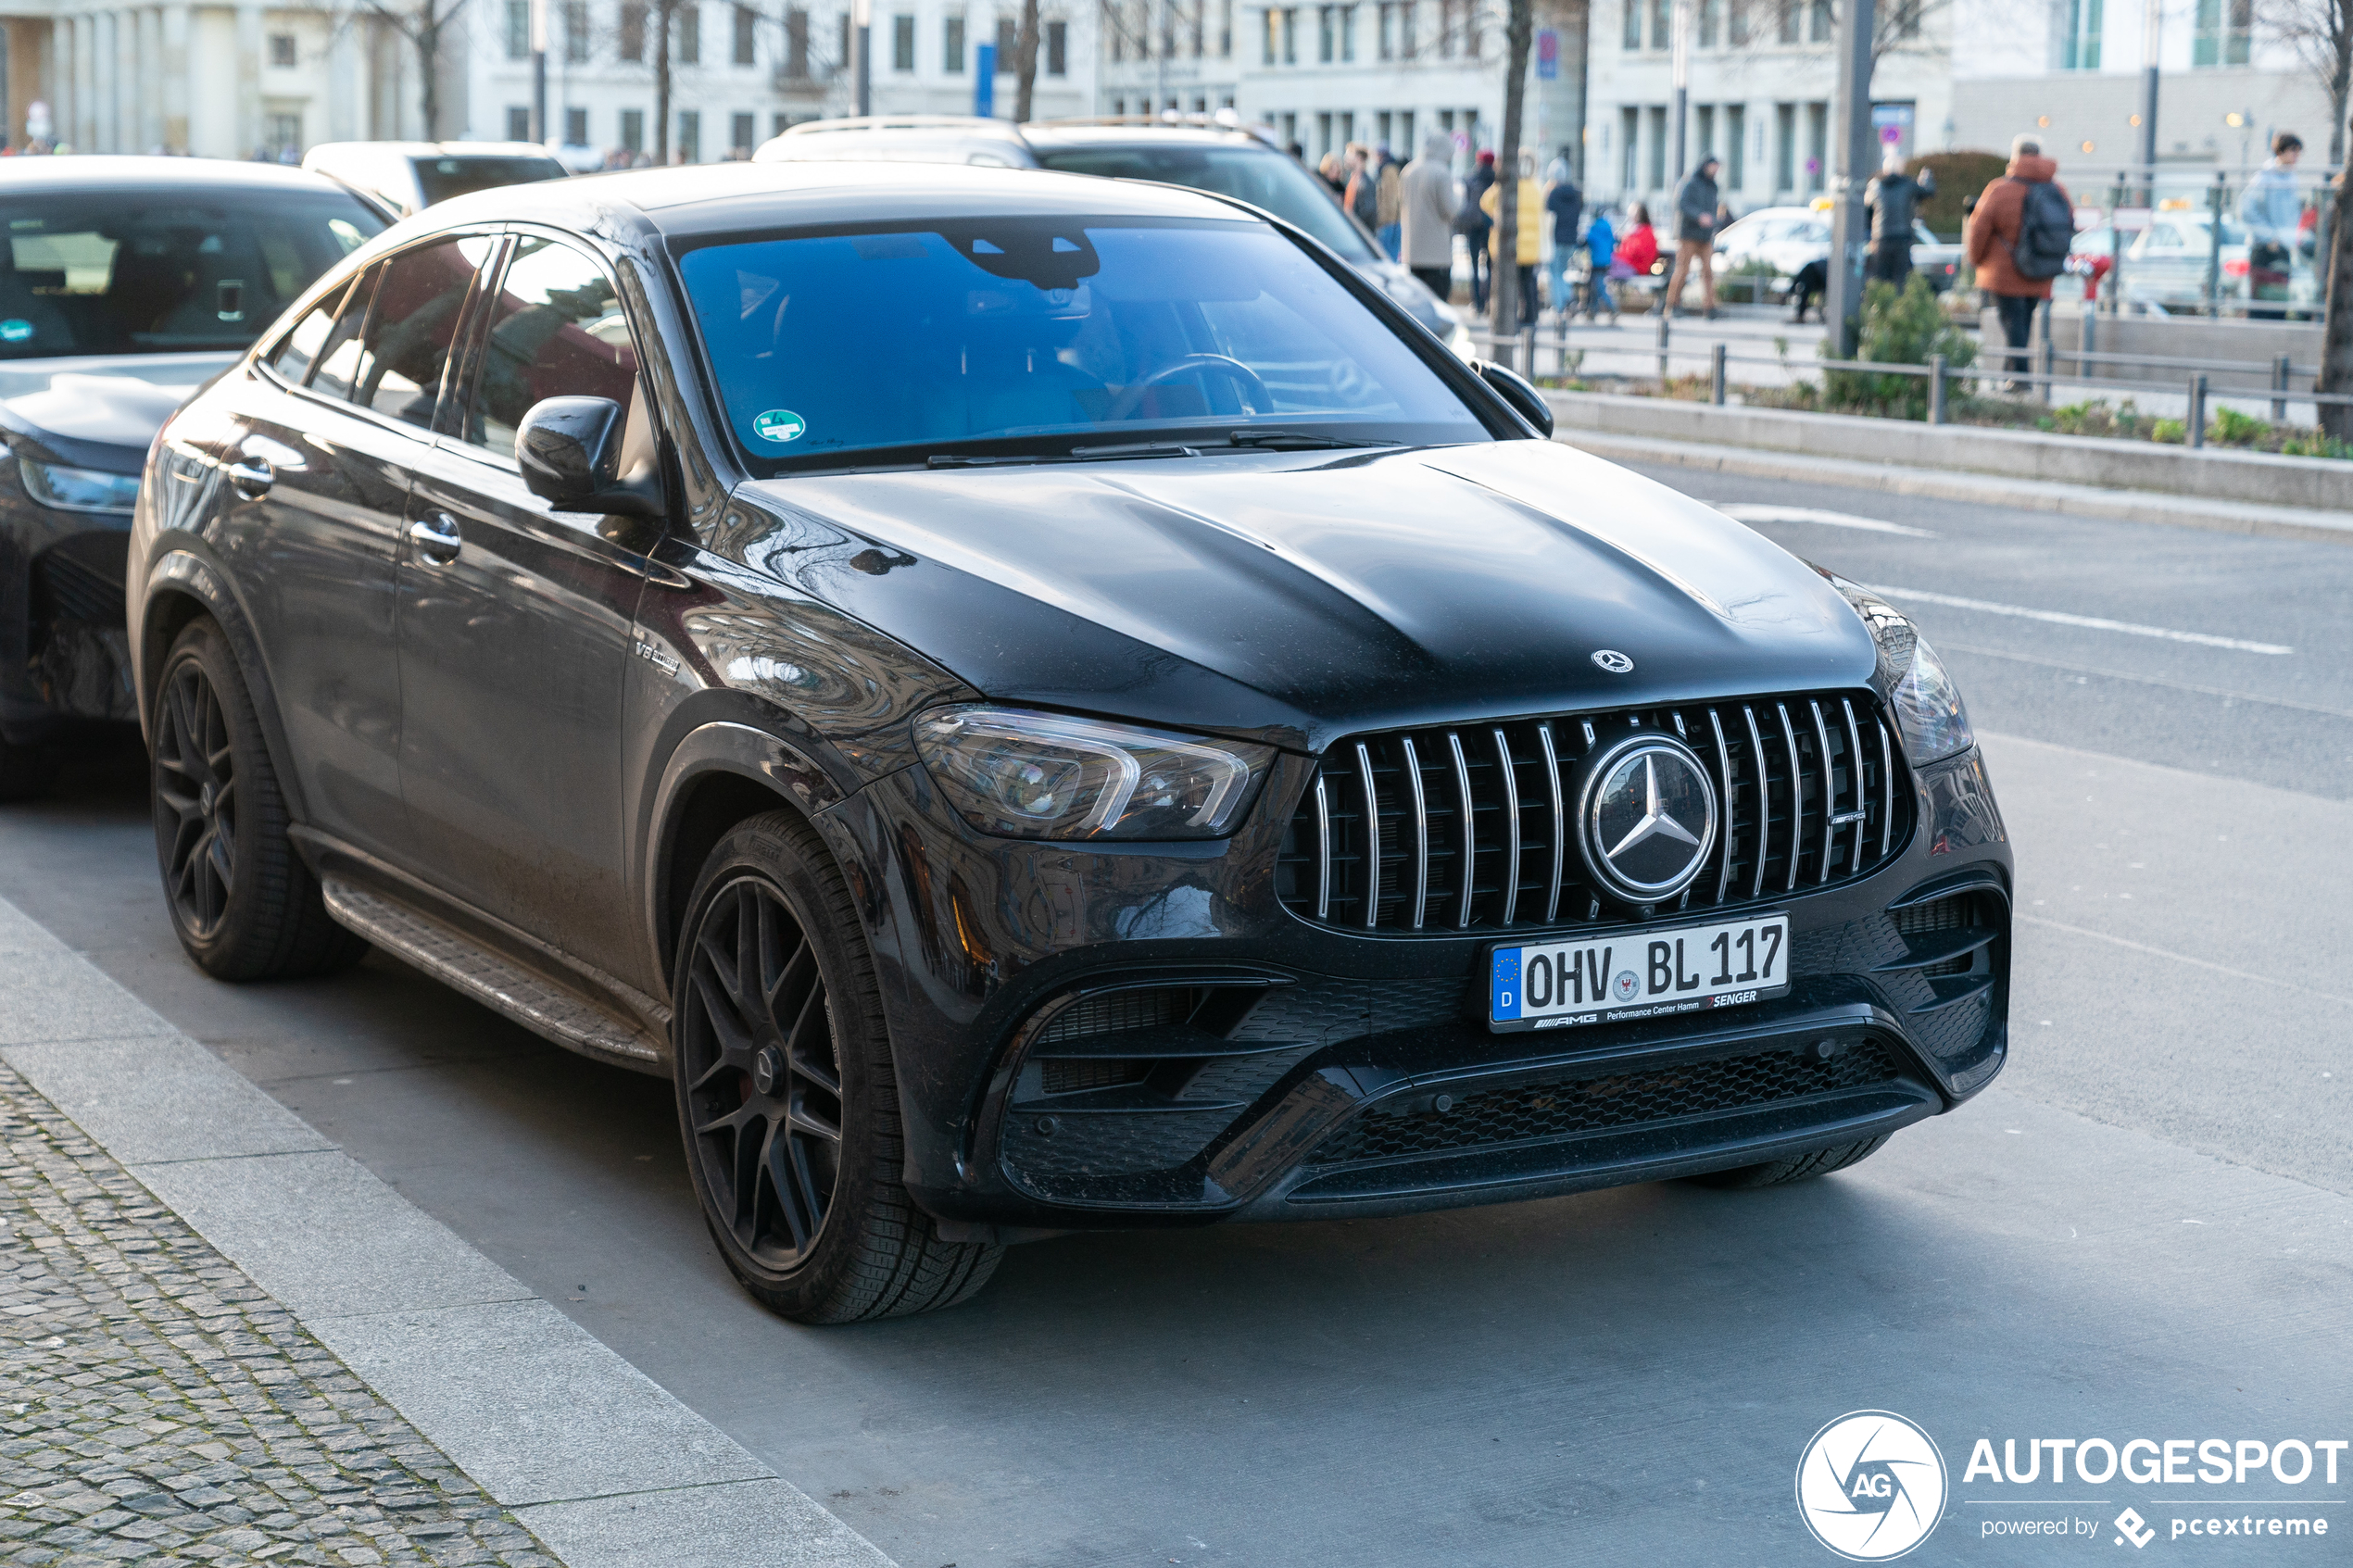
(1870, 1486)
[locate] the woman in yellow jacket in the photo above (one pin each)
(1530, 239)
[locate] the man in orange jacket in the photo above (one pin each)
(1994, 231)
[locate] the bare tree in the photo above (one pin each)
(2336, 330)
(1519, 29)
(1025, 61)
(425, 25)
(2320, 31)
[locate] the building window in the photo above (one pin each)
(1784, 146)
(1385, 39)
(518, 122)
(575, 31)
(282, 46)
(844, 53)
(1735, 146)
(1631, 38)
(1658, 147)
(1324, 40)
(1198, 35)
(1736, 21)
(1291, 36)
(518, 35)
(2224, 30)
(631, 43)
(902, 43)
(1818, 145)
(952, 45)
(2080, 47)
(1785, 19)
(1347, 32)
(690, 36)
(1224, 30)
(1629, 132)
(742, 131)
(632, 131)
(1057, 49)
(690, 136)
(745, 51)
(1704, 118)
(1008, 45)
(796, 44)
(1819, 26)
(1662, 24)
(779, 122)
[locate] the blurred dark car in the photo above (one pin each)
(126, 285)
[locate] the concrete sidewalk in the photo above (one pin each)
(225, 1340)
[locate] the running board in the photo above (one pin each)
(497, 983)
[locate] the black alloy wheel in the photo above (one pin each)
(762, 1073)
(244, 904)
(787, 1092)
(196, 782)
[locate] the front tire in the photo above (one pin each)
(242, 901)
(787, 1097)
(1797, 1168)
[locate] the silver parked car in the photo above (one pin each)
(407, 177)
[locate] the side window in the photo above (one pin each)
(411, 328)
(299, 349)
(338, 357)
(555, 330)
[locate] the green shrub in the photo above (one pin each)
(2170, 432)
(1958, 177)
(2235, 428)
(1898, 328)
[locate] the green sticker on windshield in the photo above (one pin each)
(16, 329)
(779, 425)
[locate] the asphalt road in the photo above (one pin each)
(2144, 1230)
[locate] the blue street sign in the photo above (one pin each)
(985, 80)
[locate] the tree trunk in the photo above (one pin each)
(2336, 335)
(1025, 61)
(428, 40)
(1519, 32)
(661, 11)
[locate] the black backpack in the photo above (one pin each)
(2045, 231)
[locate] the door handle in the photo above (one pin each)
(252, 478)
(437, 538)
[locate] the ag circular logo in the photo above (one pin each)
(779, 425)
(1613, 661)
(1646, 818)
(1870, 1486)
(1625, 986)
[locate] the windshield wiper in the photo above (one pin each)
(1295, 440)
(1075, 454)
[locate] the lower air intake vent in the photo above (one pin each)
(1118, 1011)
(1959, 912)
(1071, 1075)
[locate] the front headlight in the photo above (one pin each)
(1927, 705)
(1024, 774)
(78, 490)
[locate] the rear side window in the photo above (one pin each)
(411, 326)
(338, 359)
(300, 349)
(555, 330)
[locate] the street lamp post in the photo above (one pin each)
(1853, 150)
(2152, 20)
(1680, 34)
(539, 71)
(862, 19)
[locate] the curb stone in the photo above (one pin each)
(539, 1422)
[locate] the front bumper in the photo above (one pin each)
(1218, 1059)
(64, 654)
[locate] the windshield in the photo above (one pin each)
(1035, 330)
(1258, 175)
(164, 272)
(442, 178)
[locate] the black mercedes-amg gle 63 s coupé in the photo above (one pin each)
(1040, 703)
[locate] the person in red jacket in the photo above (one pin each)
(1639, 249)
(1993, 239)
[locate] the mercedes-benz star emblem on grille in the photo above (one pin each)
(1613, 661)
(1646, 818)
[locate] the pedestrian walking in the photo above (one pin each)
(1329, 172)
(1392, 204)
(2017, 239)
(1472, 222)
(1695, 201)
(1565, 203)
(1894, 199)
(1600, 267)
(1363, 191)
(1638, 252)
(1427, 203)
(1527, 243)
(2273, 210)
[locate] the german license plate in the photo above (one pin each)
(1638, 973)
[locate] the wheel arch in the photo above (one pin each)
(180, 586)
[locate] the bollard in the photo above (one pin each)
(2197, 423)
(2279, 373)
(1936, 389)
(1715, 375)
(1528, 350)
(1662, 342)
(2042, 363)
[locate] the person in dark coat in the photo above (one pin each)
(1895, 200)
(1473, 224)
(1565, 204)
(1696, 203)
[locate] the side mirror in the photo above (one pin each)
(1525, 400)
(569, 449)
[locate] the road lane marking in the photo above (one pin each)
(2146, 680)
(2184, 957)
(1762, 511)
(2093, 622)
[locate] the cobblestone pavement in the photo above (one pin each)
(157, 1408)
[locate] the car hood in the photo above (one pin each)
(1299, 598)
(86, 404)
